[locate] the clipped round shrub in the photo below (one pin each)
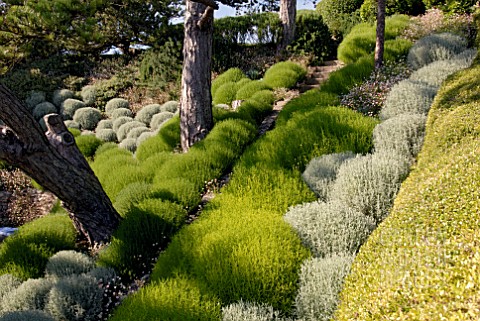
(88, 144)
(106, 147)
(321, 172)
(129, 144)
(247, 311)
(35, 98)
(117, 123)
(116, 103)
(105, 124)
(281, 79)
(121, 112)
(27, 316)
(59, 96)
(402, 134)
(435, 47)
(242, 82)
(225, 94)
(159, 119)
(89, 95)
(70, 106)
(370, 183)
(231, 75)
(106, 135)
(408, 97)
(146, 113)
(282, 66)
(330, 228)
(130, 196)
(251, 88)
(72, 124)
(264, 96)
(66, 263)
(170, 106)
(75, 132)
(144, 136)
(103, 275)
(30, 295)
(124, 129)
(8, 283)
(76, 297)
(320, 282)
(136, 132)
(87, 117)
(43, 109)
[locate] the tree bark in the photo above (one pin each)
(55, 162)
(196, 118)
(380, 43)
(288, 12)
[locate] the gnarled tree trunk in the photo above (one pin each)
(196, 118)
(55, 162)
(288, 12)
(380, 43)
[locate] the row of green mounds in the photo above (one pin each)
(25, 254)
(240, 247)
(422, 262)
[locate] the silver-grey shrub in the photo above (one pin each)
(146, 113)
(30, 295)
(129, 144)
(370, 183)
(136, 132)
(87, 117)
(170, 106)
(43, 109)
(321, 172)
(403, 134)
(330, 228)
(103, 275)
(320, 282)
(144, 136)
(72, 124)
(59, 96)
(158, 119)
(35, 98)
(105, 124)
(123, 130)
(435, 47)
(65, 263)
(120, 112)
(89, 95)
(408, 97)
(107, 135)
(116, 103)
(117, 123)
(70, 106)
(76, 297)
(246, 311)
(8, 283)
(29, 315)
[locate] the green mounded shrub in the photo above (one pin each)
(178, 190)
(118, 122)
(8, 283)
(321, 280)
(368, 10)
(402, 134)
(369, 184)
(408, 97)
(186, 302)
(75, 297)
(105, 124)
(87, 117)
(27, 315)
(231, 75)
(116, 103)
(105, 147)
(130, 173)
(330, 228)
(121, 112)
(25, 254)
(59, 96)
(69, 106)
(242, 82)
(146, 113)
(129, 144)
(43, 109)
(136, 132)
(144, 136)
(66, 263)
(170, 106)
(160, 118)
(88, 144)
(435, 47)
(264, 96)
(251, 88)
(106, 135)
(124, 129)
(70, 124)
(341, 81)
(284, 74)
(340, 16)
(35, 98)
(321, 172)
(131, 195)
(30, 295)
(166, 140)
(396, 49)
(225, 94)
(145, 230)
(89, 95)
(154, 163)
(254, 109)
(246, 311)
(75, 132)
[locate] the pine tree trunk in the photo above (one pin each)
(55, 162)
(288, 12)
(196, 118)
(380, 43)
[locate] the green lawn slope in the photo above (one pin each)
(422, 262)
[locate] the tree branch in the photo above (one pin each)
(209, 3)
(206, 19)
